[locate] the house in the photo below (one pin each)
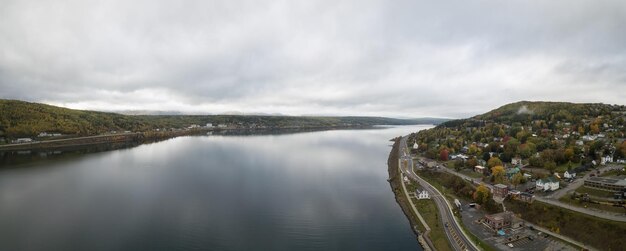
(512, 171)
(606, 159)
(415, 146)
(569, 174)
(498, 221)
(514, 194)
(547, 184)
(527, 176)
(23, 140)
(465, 149)
(500, 190)
(526, 197)
(589, 137)
(422, 195)
(607, 184)
(462, 157)
(209, 125)
(516, 161)
(479, 169)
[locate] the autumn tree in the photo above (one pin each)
(494, 161)
(550, 166)
(498, 174)
(517, 179)
(443, 154)
(482, 194)
(623, 148)
(471, 163)
(569, 153)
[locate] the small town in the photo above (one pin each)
(574, 167)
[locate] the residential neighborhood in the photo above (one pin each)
(563, 157)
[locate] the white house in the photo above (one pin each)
(547, 184)
(422, 195)
(606, 159)
(415, 146)
(479, 169)
(209, 125)
(23, 140)
(516, 161)
(569, 174)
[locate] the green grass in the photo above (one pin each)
(564, 167)
(613, 173)
(602, 207)
(471, 173)
(428, 210)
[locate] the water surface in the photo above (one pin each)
(309, 191)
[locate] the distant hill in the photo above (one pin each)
(25, 119)
(526, 111)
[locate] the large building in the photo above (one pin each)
(500, 190)
(499, 221)
(607, 184)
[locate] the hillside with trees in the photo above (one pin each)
(552, 135)
(24, 119)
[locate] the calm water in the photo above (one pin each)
(309, 191)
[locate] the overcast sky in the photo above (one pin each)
(388, 58)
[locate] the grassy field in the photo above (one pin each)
(471, 173)
(428, 210)
(599, 233)
(564, 167)
(577, 203)
(613, 173)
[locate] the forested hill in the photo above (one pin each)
(525, 112)
(24, 119)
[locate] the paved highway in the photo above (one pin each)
(455, 235)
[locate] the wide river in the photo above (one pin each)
(307, 191)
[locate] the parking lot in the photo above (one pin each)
(523, 238)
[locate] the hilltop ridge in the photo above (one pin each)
(26, 119)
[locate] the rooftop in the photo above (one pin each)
(500, 186)
(608, 180)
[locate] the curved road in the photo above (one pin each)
(454, 233)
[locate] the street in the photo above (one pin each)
(455, 235)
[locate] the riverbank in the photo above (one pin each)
(395, 181)
(153, 136)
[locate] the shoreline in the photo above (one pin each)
(395, 183)
(155, 136)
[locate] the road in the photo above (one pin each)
(452, 229)
(554, 201)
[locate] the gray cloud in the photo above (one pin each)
(391, 58)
